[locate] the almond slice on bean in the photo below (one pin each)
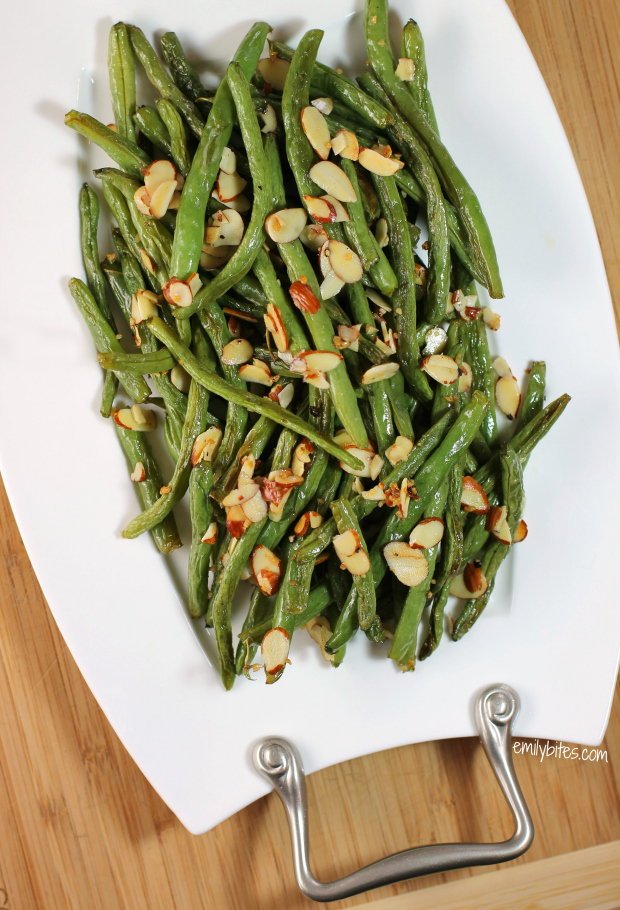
(284, 394)
(274, 651)
(319, 360)
(267, 569)
(180, 378)
(302, 525)
(331, 285)
(435, 340)
(304, 297)
(375, 467)
(316, 129)
(377, 163)
(255, 509)
(147, 262)
(501, 367)
(344, 262)
(475, 578)
(240, 495)
(143, 200)
(405, 71)
(321, 209)
(348, 337)
(228, 161)
(236, 522)
(520, 532)
(314, 236)
(345, 144)
(364, 455)
(237, 351)
(215, 257)
(426, 534)
(143, 305)
(224, 228)
(316, 378)
(508, 396)
(210, 535)
(177, 292)
(270, 121)
(333, 180)
(138, 474)
(206, 445)
(408, 565)
(466, 377)
(161, 198)
(238, 204)
(319, 629)
(230, 186)
(348, 548)
(343, 439)
(158, 172)
(135, 418)
(341, 212)
(274, 70)
(473, 497)
(274, 324)
(497, 524)
(324, 105)
(380, 371)
(441, 368)
(286, 225)
(400, 449)
(490, 318)
(376, 494)
(257, 371)
(381, 232)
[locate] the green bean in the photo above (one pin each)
(346, 520)
(185, 76)
(327, 489)
(435, 631)
(413, 47)
(404, 644)
(137, 449)
(157, 76)
(264, 406)
(370, 200)
(201, 512)
(126, 153)
(438, 282)
(319, 324)
(149, 122)
(356, 230)
(534, 398)
(403, 300)
(259, 605)
(138, 364)
(122, 74)
(346, 625)
(89, 221)
(455, 186)
(320, 598)
(189, 233)
(176, 131)
(395, 387)
(266, 274)
(483, 378)
(120, 210)
(381, 272)
(380, 407)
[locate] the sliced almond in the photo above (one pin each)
(490, 318)
(206, 445)
(408, 565)
(237, 351)
(345, 144)
(314, 236)
(147, 262)
(135, 418)
(302, 525)
(375, 467)
(473, 497)
(275, 325)
(316, 378)
(210, 535)
(304, 297)
(228, 161)
(380, 371)
(520, 532)
(333, 180)
(257, 371)
(344, 262)
(376, 494)
(315, 360)
(324, 105)
(180, 378)
(319, 629)
(357, 564)
(274, 71)
(274, 651)
(381, 232)
(426, 534)
(224, 228)
(501, 368)
(277, 508)
(236, 522)
(378, 300)
(270, 121)
(230, 186)
(239, 496)
(138, 474)
(316, 129)
(282, 394)
(441, 368)
(458, 588)
(473, 579)
(507, 396)
(316, 520)
(238, 204)
(364, 455)
(346, 544)
(158, 172)
(399, 450)
(343, 439)
(497, 524)
(143, 200)
(331, 285)
(466, 377)
(255, 509)
(215, 257)
(267, 569)
(341, 212)
(286, 225)
(405, 71)
(143, 305)
(321, 209)
(348, 337)
(177, 292)
(162, 197)
(377, 163)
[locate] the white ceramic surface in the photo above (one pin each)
(554, 635)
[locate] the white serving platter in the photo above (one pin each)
(552, 631)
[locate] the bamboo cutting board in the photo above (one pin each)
(81, 828)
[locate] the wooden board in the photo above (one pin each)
(79, 825)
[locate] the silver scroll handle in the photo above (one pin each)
(278, 761)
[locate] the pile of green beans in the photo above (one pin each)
(285, 469)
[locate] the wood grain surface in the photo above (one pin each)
(81, 828)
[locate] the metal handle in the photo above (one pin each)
(278, 761)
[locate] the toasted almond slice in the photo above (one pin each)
(441, 367)
(426, 534)
(381, 232)
(270, 121)
(490, 318)
(435, 340)
(286, 225)
(206, 445)
(333, 180)
(473, 497)
(285, 478)
(210, 535)
(267, 569)
(236, 522)
(316, 129)
(520, 532)
(215, 257)
(377, 163)
(194, 283)
(466, 377)
(364, 455)
(255, 509)
(405, 71)
(346, 544)
(143, 305)
(376, 494)
(341, 212)
(317, 378)
(380, 371)
(378, 300)
(237, 351)
(407, 564)
(304, 297)
(314, 236)
(302, 525)
(238, 204)
(345, 144)
(319, 360)
(274, 651)
(228, 161)
(177, 292)
(324, 105)
(229, 186)
(275, 325)
(331, 285)
(277, 508)
(399, 450)
(234, 327)
(158, 172)
(473, 579)
(161, 198)
(385, 150)
(180, 378)
(286, 395)
(138, 474)
(147, 262)
(358, 563)
(316, 520)
(343, 439)
(507, 396)
(224, 228)
(257, 371)
(501, 367)
(348, 337)
(135, 418)
(274, 70)
(321, 209)
(143, 200)
(345, 263)
(497, 524)
(458, 588)
(375, 467)
(248, 466)
(239, 496)
(319, 629)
